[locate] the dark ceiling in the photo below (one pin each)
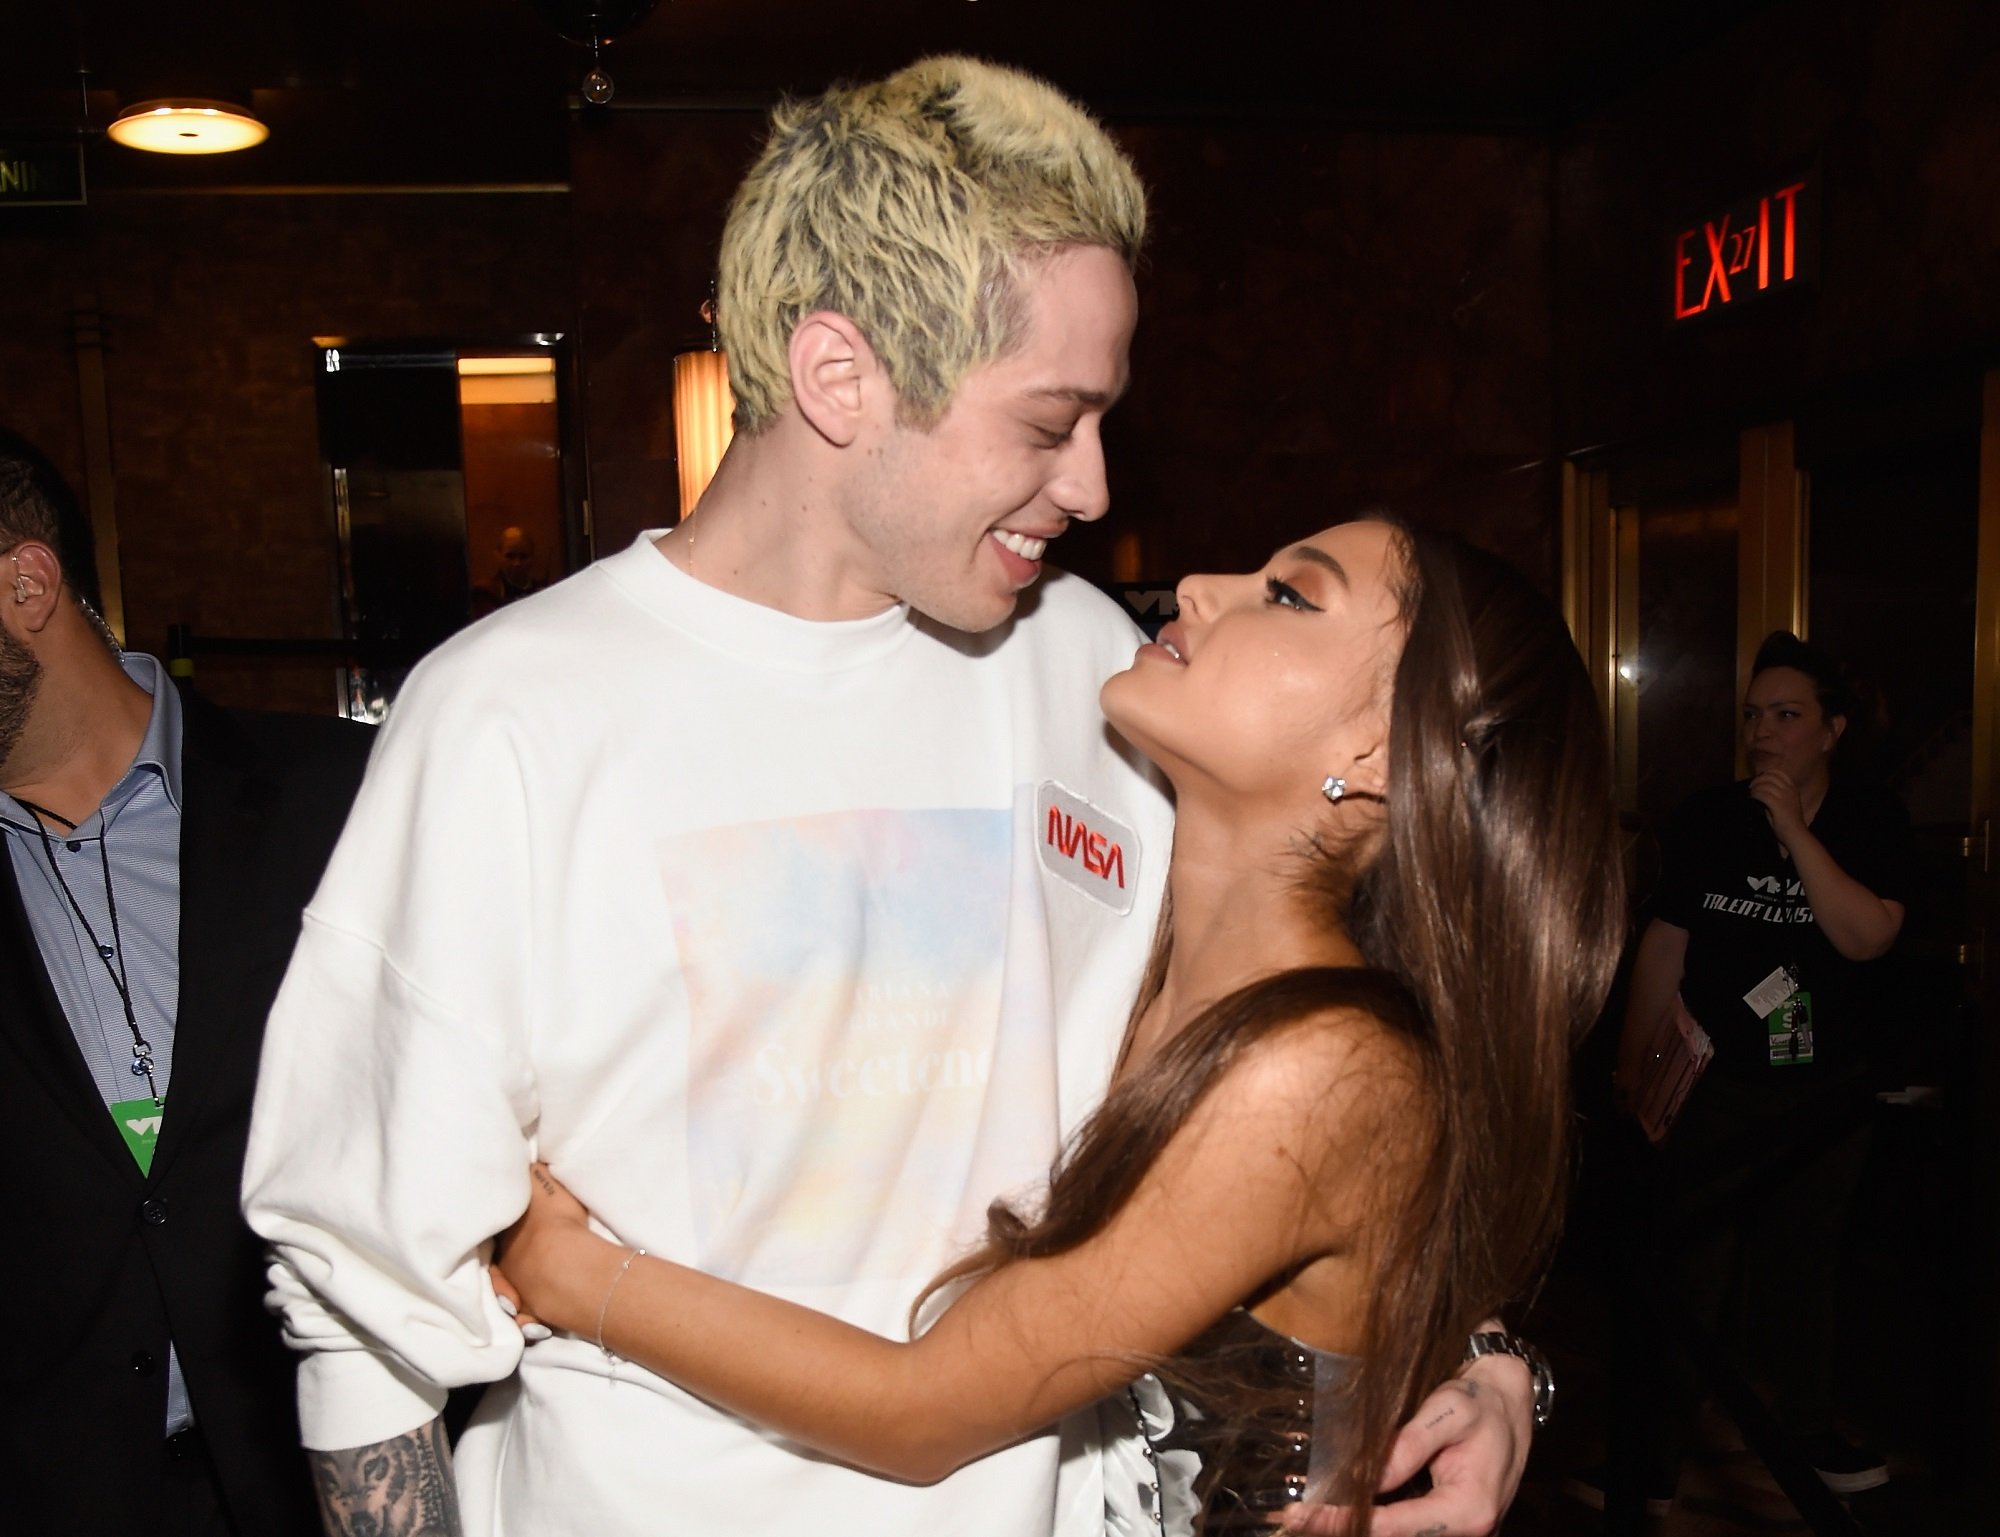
(478, 91)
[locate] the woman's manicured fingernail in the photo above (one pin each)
(534, 1334)
(506, 1304)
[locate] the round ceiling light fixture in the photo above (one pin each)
(188, 125)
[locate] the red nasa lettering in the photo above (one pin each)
(1073, 839)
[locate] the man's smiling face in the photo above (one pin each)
(953, 519)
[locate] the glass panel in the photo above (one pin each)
(389, 429)
(1686, 667)
(446, 472)
(513, 480)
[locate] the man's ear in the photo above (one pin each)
(30, 585)
(835, 375)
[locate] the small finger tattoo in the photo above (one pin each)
(1432, 1531)
(1433, 1423)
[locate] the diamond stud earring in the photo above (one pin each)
(1334, 788)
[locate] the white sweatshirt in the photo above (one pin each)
(790, 945)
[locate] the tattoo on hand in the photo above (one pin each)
(397, 1488)
(1432, 1424)
(1432, 1531)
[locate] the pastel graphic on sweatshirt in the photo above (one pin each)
(850, 1016)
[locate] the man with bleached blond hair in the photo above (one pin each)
(717, 876)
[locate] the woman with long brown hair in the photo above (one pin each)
(1337, 1138)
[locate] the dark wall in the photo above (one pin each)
(1331, 319)
(649, 193)
(1330, 316)
(1327, 319)
(1892, 107)
(209, 306)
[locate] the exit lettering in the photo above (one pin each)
(38, 176)
(1752, 249)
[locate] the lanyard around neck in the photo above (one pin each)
(142, 1051)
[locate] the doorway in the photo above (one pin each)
(1869, 524)
(455, 486)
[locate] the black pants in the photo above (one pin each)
(1751, 1199)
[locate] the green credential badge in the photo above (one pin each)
(139, 1123)
(1788, 1031)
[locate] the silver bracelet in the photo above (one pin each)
(605, 1307)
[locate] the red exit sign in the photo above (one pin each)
(1757, 248)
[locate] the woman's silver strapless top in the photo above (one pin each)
(1248, 1422)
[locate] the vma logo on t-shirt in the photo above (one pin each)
(1773, 885)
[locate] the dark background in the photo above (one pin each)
(1413, 254)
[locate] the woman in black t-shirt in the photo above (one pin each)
(1777, 894)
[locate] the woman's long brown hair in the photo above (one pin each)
(1491, 920)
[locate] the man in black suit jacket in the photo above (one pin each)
(145, 1389)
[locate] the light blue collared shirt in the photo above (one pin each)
(138, 829)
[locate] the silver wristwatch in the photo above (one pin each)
(1493, 1344)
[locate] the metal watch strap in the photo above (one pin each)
(1495, 1344)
